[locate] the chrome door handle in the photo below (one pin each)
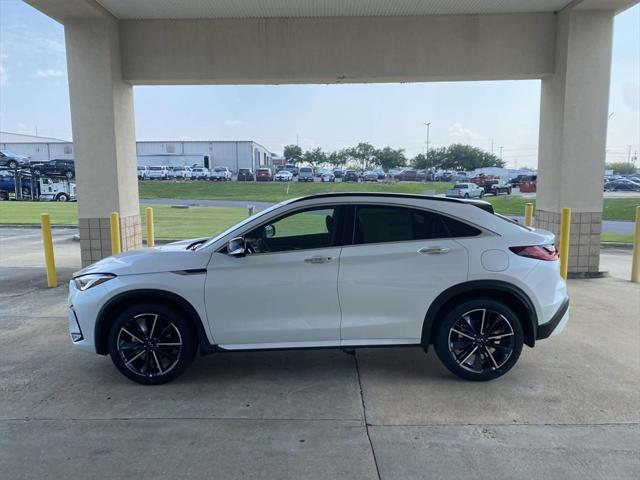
(318, 259)
(434, 250)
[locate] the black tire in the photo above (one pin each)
(458, 337)
(69, 174)
(153, 364)
(62, 197)
(509, 191)
(13, 164)
(36, 172)
(466, 195)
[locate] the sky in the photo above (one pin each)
(497, 116)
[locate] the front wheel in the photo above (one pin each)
(62, 197)
(69, 174)
(151, 344)
(479, 340)
(13, 164)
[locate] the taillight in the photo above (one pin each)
(539, 252)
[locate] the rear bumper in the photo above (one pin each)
(557, 322)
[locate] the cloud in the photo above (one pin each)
(50, 72)
(232, 123)
(457, 132)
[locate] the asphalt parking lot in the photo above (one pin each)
(569, 409)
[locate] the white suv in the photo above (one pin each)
(359, 270)
(222, 174)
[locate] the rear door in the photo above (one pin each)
(400, 261)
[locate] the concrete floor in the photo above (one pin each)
(569, 409)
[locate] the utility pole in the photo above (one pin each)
(492, 146)
(297, 139)
(629, 155)
(428, 124)
(501, 152)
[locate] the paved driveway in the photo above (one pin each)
(568, 410)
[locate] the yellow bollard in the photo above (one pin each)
(115, 233)
(151, 239)
(49, 260)
(635, 262)
(528, 214)
(565, 226)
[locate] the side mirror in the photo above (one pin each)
(236, 247)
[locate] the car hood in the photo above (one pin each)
(165, 258)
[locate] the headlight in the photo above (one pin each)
(85, 282)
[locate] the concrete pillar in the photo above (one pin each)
(573, 130)
(103, 136)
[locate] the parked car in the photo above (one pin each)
(56, 166)
(264, 175)
(12, 160)
(622, 185)
(476, 311)
(220, 174)
(305, 174)
(408, 175)
(283, 176)
(328, 176)
(143, 172)
(351, 176)
(292, 168)
(381, 173)
(158, 172)
(180, 173)
(465, 190)
(370, 176)
(394, 173)
(200, 173)
(246, 175)
(495, 187)
(338, 173)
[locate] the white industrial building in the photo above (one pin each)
(232, 154)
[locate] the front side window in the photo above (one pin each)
(383, 224)
(303, 230)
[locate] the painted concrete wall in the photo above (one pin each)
(342, 49)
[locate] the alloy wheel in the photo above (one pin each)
(481, 340)
(149, 345)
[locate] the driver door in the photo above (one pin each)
(283, 292)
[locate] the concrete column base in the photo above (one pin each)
(584, 239)
(95, 237)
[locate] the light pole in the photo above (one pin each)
(428, 124)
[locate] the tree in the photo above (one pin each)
(433, 159)
(388, 158)
(314, 157)
(293, 153)
(338, 157)
(363, 153)
(621, 168)
(467, 157)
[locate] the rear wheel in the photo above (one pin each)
(13, 164)
(69, 174)
(151, 344)
(479, 340)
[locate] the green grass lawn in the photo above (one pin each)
(273, 191)
(177, 223)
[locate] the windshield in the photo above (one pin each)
(220, 169)
(155, 168)
(460, 185)
(305, 170)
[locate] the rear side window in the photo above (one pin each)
(457, 228)
(383, 224)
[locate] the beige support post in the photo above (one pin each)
(635, 262)
(115, 233)
(49, 260)
(565, 225)
(528, 214)
(151, 240)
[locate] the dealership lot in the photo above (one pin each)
(567, 410)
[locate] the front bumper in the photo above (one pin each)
(557, 322)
